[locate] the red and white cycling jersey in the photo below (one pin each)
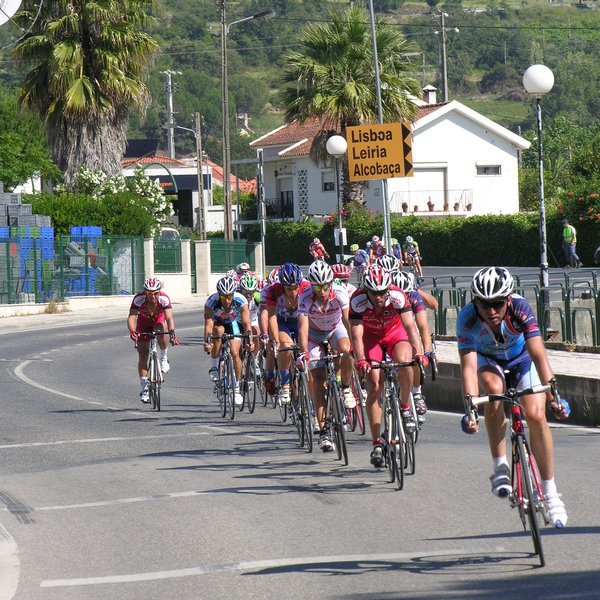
(151, 312)
(276, 297)
(323, 318)
(361, 309)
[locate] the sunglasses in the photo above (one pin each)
(324, 287)
(496, 305)
(152, 293)
(226, 296)
(381, 293)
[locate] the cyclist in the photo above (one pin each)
(150, 310)
(248, 287)
(317, 250)
(360, 261)
(242, 269)
(406, 282)
(222, 313)
(342, 275)
(323, 315)
(498, 331)
(376, 249)
(390, 263)
(282, 307)
(412, 254)
(381, 315)
(263, 322)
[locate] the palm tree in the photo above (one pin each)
(332, 78)
(89, 59)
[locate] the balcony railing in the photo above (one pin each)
(279, 209)
(458, 200)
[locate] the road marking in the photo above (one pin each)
(10, 565)
(258, 564)
(97, 440)
(19, 373)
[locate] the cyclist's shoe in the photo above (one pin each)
(270, 387)
(349, 399)
(315, 425)
(214, 374)
(408, 420)
(420, 407)
(164, 365)
(325, 442)
(145, 395)
(377, 459)
(501, 486)
(284, 395)
(239, 399)
(556, 510)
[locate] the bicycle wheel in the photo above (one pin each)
(528, 501)
(250, 383)
(221, 387)
(358, 412)
(230, 387)
(158, 383)
(338, 433)
(260, 379)
(305, 411)
(295, 413)
(396, 445)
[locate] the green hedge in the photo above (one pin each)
(511, 240)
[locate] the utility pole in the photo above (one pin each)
(442, 31)
(199, 157)
(169, 89)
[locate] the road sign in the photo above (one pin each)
(380, 151)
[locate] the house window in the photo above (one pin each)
(327, 181)
(489, 170)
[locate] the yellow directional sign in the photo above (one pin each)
(379, 151)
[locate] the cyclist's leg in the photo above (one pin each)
(285, 360)
(341, 342)
(373, 352)
(492, 380)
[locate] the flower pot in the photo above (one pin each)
(456, 206)
(469, 206)
(415, 208)
(404, 207)
(430, 206)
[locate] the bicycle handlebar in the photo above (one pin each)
(511, 395)
(226, 336)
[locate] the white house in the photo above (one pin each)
(464, 164)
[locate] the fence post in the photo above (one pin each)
(148, 257)
(203, 266)
(259, 267)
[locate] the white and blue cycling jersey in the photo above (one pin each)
(229, 315)
(508, 346)
(360, 258)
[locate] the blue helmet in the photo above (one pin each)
(290, 274)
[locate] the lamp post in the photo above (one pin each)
(336, 147)
(538, 80)
(225, 27)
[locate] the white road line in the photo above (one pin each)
(19, 373)
(10, 565)
(97, 440)
(118, 501)
(258, 564)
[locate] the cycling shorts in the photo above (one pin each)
(232, 328)
(522, 369)
(372, 343)
(316, 338)
(144, 325)
(289, 327)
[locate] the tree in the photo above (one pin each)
(89, 59)
(332, 78)
(23, 149)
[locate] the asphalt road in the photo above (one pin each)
(103, 498)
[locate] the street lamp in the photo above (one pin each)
(538, 80)
(225, 27)
(336, 147)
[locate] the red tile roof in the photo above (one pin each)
(146, 160)
(248, 186)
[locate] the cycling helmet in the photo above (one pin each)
(316, 241)
(342, 271)
(248, 283)
(242, 268)
(492, 283)
(354, 248)
(374, 239)
(405, 281)
(369, 244)
(409, 239)
(377, 279)
(290, 274)
(320, 273)
(226, 286)
(152, 285)
(273, 276)
(231, 273)
(389, 263)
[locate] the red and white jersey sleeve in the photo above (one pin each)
(139, 303)
(379, 323)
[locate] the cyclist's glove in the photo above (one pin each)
(470, 423)
(363, 366)
(302, 359)
(134, 335)
(172, 338)
(422, 358)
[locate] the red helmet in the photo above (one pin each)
(341, 271)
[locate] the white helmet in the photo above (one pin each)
(492, 283)
(389, 263)
(320, 273)
(375, 239)
(226, 286)
(405, 281)
(377, 279)
(152, 284)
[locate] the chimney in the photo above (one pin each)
(429, 96)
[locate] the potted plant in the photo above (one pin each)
(446, 206)
(456, 206)
(430, 205)
(469, 206)
(405, 207)
(415, 208)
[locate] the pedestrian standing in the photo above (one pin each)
(569, 245)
